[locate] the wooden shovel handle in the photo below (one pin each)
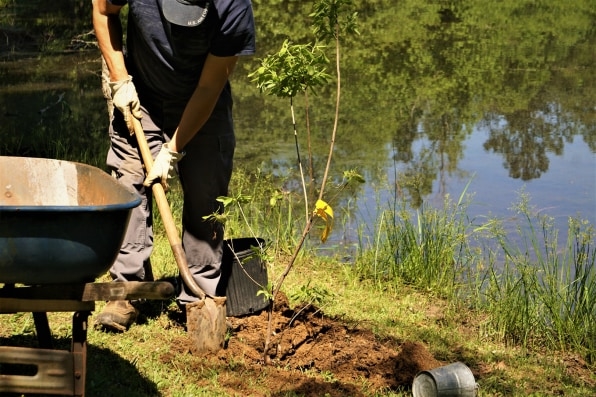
(166, 215)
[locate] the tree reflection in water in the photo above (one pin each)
(417, 83)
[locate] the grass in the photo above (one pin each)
(519, 309)
(137, 357)
(538, 293)
(545, 293)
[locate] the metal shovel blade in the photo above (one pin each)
(207, 317)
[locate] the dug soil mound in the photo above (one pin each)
(313, 354)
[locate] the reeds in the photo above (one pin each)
(427, 248)
(543, 293)
(537, 291)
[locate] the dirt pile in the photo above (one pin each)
(314, 354)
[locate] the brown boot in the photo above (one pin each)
(117, 316)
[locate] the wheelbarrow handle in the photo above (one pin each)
(166, 215)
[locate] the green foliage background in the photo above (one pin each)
(419, 72)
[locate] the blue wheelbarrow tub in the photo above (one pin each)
(60, 221)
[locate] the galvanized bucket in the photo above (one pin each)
(453, 380)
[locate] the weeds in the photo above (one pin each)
(544, 294)
(538, 292)
(426, 248)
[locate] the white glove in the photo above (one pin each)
(125, 99)
(163, 166)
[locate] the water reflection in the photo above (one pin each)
(419, 85)
(463, 72)
(520, 77)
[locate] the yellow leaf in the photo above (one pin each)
(322, 209)
(325, 212)
(326, 232)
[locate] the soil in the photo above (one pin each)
(312, 354)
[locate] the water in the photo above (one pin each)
(504, 101)
(568, 188)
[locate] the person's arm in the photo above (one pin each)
(214, 76)
(108, 30)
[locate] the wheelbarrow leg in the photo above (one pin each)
(79, 350)
(44, 335)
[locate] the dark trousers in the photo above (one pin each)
(204, 173)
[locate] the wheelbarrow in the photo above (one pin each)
(61, 226)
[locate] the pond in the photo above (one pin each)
(433, 98)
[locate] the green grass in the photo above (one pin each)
(545, 293)
(517, 309)
(537, 291)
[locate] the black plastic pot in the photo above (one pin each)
(243, 274)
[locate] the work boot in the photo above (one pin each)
(117, 316)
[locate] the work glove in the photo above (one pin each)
(163, 166)
(125, 99)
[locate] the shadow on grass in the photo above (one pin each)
(108, 374)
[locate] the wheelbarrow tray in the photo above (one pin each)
(60, 221)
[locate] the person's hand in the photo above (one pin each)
(163, 166)
(125, 99)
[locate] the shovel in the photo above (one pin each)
(206, 318)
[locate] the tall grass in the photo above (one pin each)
(545, 293)
(427, 248)
(268, 212)
(537, 291)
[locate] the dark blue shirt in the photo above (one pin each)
(166, 60)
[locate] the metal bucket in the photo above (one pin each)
(453, 380)
(243, 274)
